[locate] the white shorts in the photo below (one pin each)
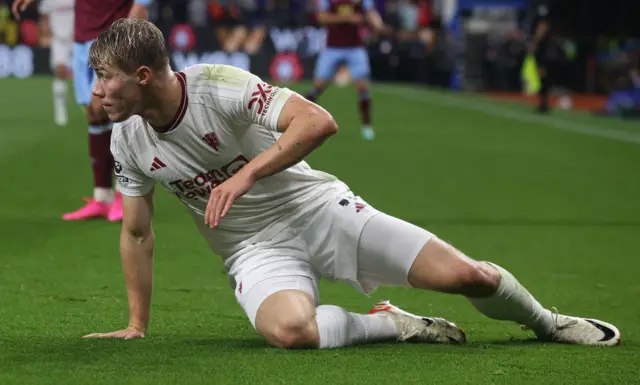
(343, 240)
(61, 53)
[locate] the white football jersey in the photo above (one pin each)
(227, 117)
(60, 14)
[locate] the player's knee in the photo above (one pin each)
(441, 267)
(293, 331)
(477, 279)
(286, 319)
(290, 331)
(362, 86)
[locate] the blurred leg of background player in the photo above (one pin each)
(104, 204)
(61, 75)
(326, 66)
(358, 62)
(58, 37)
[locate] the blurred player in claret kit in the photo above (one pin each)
(231, 148)
(91, 18)
(56, 22)
(343, 19)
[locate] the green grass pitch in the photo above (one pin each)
(556, 200)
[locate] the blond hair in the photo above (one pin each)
(129, 44)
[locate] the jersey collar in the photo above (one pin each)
(182, 109)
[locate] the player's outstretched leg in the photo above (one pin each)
(497, 294)
(290, 319)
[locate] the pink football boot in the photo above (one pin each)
(116, 210)
(93, 209)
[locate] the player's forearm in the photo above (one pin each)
(374, 20)
(304, 134)
(137, 263)
(330, 18)
(139, 11)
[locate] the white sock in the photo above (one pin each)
(103, 194)
(512, 302)
(59, 89)
(338, 327)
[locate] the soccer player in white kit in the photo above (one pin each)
(231, 148)
(57, 15)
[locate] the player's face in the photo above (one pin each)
(119, 93)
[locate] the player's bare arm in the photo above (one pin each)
(139, 11)
(304, 125)
(375, 21)
(332, 18)
(19, 6)
(136, 249)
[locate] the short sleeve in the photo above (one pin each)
(367, 5)
(131, 181)
(263, 102)
(238, 95)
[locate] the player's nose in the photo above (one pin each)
(97, 90)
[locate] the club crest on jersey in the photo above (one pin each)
(261, 98)
(211, 139)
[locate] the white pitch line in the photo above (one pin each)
(502, 112)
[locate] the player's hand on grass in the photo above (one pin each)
(126, 334)
(223, 196)
(19, 6)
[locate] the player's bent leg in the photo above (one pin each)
(283, 310)
(289, 319)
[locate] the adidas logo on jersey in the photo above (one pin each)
(157, 164)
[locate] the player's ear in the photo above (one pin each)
(143, 74)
